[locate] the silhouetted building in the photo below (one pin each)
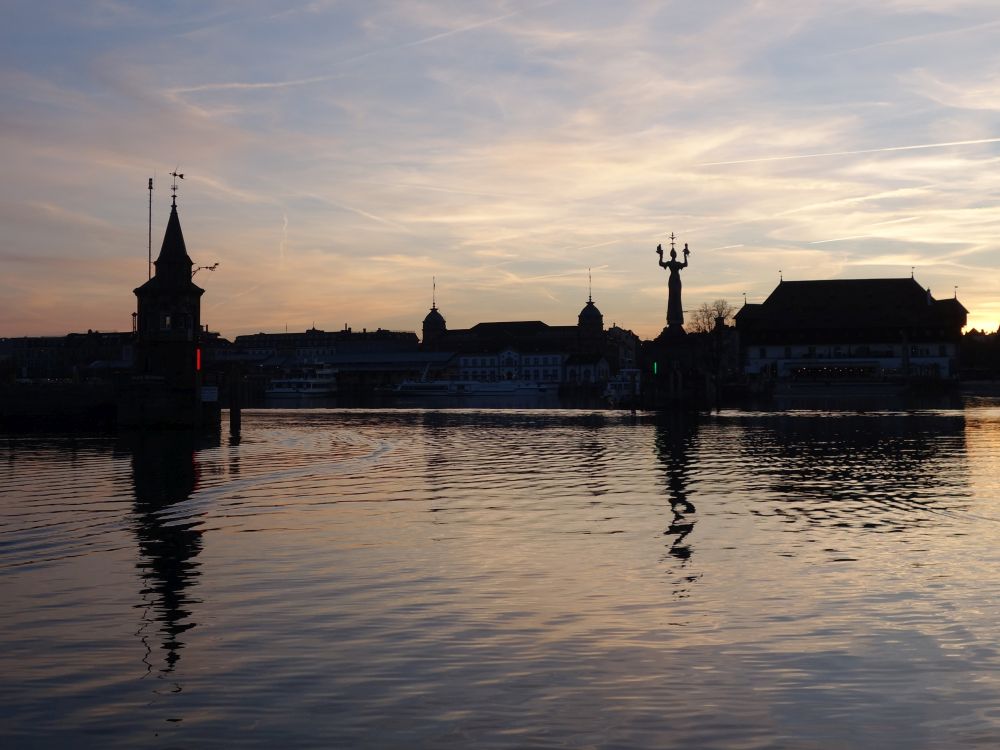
(530, 349)
(166, 388)
(981, 356)
(76, 356)
(317, 346)
(169, 314)
(850, 330)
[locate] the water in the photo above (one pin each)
(507, 579)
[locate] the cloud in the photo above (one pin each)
(500, 148)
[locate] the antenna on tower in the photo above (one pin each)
(149, 245)
(176, 175)
(590, 286)
(434, 289)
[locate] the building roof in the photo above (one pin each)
(173, 264)
(173, 249)
(851, 304)
(434, 318)
(590, 314)
(510, 328)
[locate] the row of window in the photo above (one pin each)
(861, 351)
(537, 374)
(510, 361)
(586, 374)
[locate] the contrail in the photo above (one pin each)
(864, 236)
(284, 238)
(914, 38)
(367, 215)
(840, 239)
(237, 85)
(231, 297)
(850, 153)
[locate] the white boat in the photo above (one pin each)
(321, 382)
(473, 388)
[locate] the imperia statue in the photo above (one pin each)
(675, 310)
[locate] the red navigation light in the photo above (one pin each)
(197, 359)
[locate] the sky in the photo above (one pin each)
(340, 155)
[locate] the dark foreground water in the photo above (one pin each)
(403, 579)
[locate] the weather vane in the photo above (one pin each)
(173, 188)
(212, 268)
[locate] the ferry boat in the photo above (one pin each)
(473, 388)
(322, 382)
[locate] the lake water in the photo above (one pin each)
(507, 579)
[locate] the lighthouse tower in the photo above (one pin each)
(169, 315)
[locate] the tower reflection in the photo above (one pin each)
(165, 472)
(675, 445)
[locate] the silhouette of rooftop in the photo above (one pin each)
(851, 303)
(173, 264)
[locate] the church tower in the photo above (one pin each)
(169, 315)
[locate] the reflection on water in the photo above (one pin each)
(165, 472)
(421, 578)
(675, 446)
(881, 472)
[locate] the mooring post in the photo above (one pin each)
(235, 399)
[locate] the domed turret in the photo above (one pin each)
(434, 325)
(590, 319)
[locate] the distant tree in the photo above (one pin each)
(703, 318)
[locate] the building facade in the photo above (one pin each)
(168, 321)
(858, 330)
(531, 350)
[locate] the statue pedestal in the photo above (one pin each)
(671, 334)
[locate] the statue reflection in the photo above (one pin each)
(165, 472)
(675, 443)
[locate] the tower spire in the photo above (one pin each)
(149, 245)
(590, 286)
(434, 288)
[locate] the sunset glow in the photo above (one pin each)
(338, 155)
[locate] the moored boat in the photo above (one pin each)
(473, 388)
(321, 382)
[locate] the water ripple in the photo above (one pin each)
(507, 579)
